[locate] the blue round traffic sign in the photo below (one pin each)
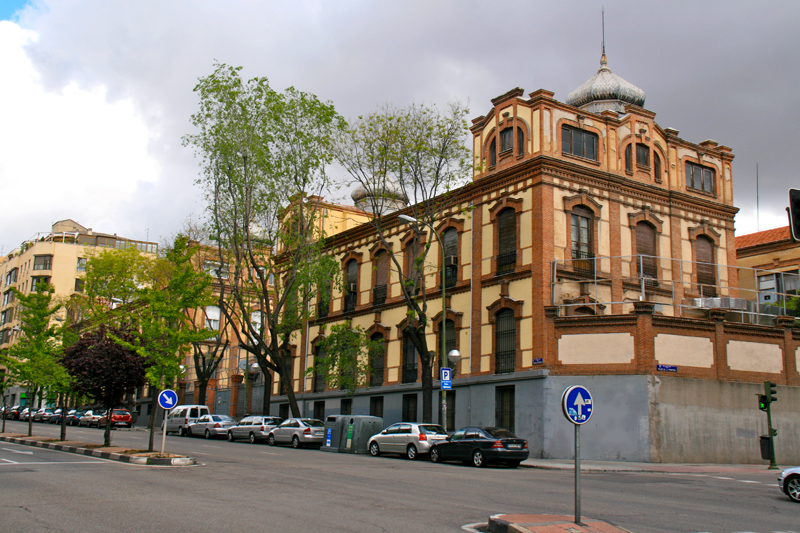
(167, 399)
(577, 404)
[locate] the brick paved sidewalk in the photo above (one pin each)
(547, 523)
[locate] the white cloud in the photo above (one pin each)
(64, 154)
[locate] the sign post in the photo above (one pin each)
(167, 399)
(577, 404)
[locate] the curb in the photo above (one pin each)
(123, 458)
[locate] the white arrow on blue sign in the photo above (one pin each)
(577, 404)
(167, 399)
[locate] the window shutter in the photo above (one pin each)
(507, 231)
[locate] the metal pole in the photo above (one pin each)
(164, 434)
(578, 474)
(772, 464)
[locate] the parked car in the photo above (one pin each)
(90, 418)
(253, 428)
(12, 413)
(42, 415)
(406, 438)
(120, 418)
(55, 418)
(181, 416)
(74, 417)
(209, 426)
(24, 415)
(298, 432)
(480, 446)
(789, 483)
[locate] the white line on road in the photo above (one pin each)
(202, 453)
(9, 461)
(209, 446)
(17, 451)
(720, 477)
(271, 453)
(747, 481)
(51, 463)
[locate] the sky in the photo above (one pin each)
(95, 95)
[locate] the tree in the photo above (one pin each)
(415, 154)
(104, 369)
(263, 156)
(33, 360)
(347, 363)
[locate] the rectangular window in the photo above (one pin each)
(642, 155)
(409, 407)
(81, 264)
(699, 178)
(376, 406)
(506, 140)
(42, 262)
(36, 281)
(577, 142)
(212, 317)
(79, 283)
(778, 286)
(214, 269)
(11, 276)
(319, 410)
(504, 407)
(409, 360)
(346, 407)
(8, 297)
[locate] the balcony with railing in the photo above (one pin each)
(409, 373)
(506, 263)
(350, 302)
(678, 287)
(379, 294)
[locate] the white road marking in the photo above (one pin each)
(271, 453)
(747, 481)
(209, 446)
(729, 479)
(50, 463)
(9, 461)
(17, 451)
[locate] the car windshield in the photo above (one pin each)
(313, 423)
(432, 429)
(500, 433)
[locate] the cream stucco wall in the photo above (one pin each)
(600, 348)
(682, 350)
(755, 357)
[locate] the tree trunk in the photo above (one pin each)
(427, 390)
(5, 407)
(30, 411)
(63, 421)
(152, 421)
(267, 391)
(287, 383)
(202, 385)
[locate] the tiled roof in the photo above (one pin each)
(762, 237)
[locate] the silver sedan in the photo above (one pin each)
(210, 426)
(298, 432)
(406, 438)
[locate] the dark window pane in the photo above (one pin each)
(506, 139)
(409, 359)
(520, 141)
(656, 165)
(493, 153)
(505, 342)
(507, 241)
(642, 155)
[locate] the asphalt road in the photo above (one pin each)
(244, 487)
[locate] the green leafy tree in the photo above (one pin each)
(33, 360)
(347, 361)
(264, 155)
(416, 154)
(104, 369)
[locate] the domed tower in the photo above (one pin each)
(605, 91)
(380, 198)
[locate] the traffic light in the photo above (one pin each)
(762, 402)
(794, 213)
(770, 392)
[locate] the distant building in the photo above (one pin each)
(773, 263)
(57, 257)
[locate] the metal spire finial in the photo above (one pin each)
(603, 60)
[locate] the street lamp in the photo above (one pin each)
(456, 355)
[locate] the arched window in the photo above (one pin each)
(493, 153)
(520, 141)
(319, 375)
(656, 166)
(351, 287)
(706, 266)
(450, 240)
(409, 359)
(507, 241)
(377, 360)
(506, 140)
(380, 290)
(449, 341)
(505, 342)
(582, 230)
(646, 250)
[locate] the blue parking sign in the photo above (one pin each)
(446, 375)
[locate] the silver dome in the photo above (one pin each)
(605, 90)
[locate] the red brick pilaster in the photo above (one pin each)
(549, 346)
(236, 380)
(644, 343)
(720, 343)
(616, 261)
(789, 360)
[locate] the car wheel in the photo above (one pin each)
(478, 459)
(793, 488)
(189, 432)
(230, 437)
(252, 438)
(435, 457)
(271, 440)
(295, 442)
(374, 449)
(182, 431)
(411, 452)
(513, 464)
(207, 434)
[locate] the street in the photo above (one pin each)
(257, 487)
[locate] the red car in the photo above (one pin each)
(120, 418)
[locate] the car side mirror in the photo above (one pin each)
(448, 439)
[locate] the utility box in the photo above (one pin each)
(350, 433)
(766, 449)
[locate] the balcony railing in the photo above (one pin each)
(506, 262)
(350, 302)
(379, 294)
(409, 373)
(505, 362)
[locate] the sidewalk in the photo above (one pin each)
(624, 466)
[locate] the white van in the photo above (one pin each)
(182, 415)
